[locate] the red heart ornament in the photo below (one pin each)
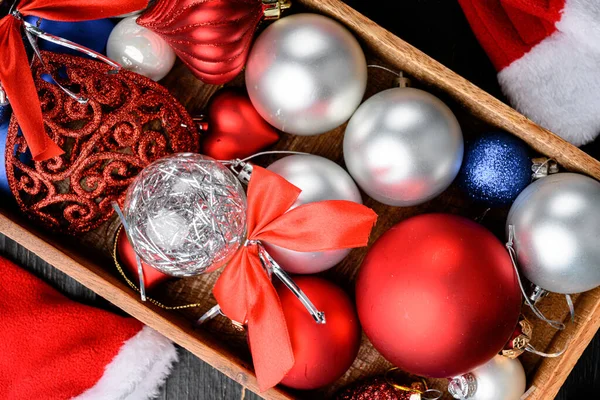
(126, 256)
(128, 122)
(235, 129)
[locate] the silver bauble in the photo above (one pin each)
(186, 214)
(501, 378)
(556, 224)
(140, 50)
(319, 179)
(403, 146)
(306, 74)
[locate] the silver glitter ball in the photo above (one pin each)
(319, 179)
(501, 378)
(403, 146)
(556, 224)
(306, 74)
(186, 214)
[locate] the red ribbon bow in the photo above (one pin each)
(15, 75)
(244, 290)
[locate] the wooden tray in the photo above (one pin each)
(222, 345)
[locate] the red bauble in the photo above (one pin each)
(128, 122)
(127, 260)
(212, 37)
(437, 295)
(235, 129)
(322, 353)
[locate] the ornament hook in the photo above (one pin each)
(137, 257)
(401, 81)
(513, 257)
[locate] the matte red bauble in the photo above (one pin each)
(437, 295)
(322, 353)
(128, 122)
(212, 37)
(234, 127)
(127, 260)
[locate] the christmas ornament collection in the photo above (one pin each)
(88, 137)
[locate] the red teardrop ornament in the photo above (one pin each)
(128, 122)
(235, 129)
(212, 37)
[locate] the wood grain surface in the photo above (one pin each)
(220, 344)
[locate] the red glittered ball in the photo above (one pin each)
(127, 259)
(322, 353)
(437, 295)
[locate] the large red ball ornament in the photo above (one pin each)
(437, 295)
(322, 353)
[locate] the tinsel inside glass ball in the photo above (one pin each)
(496, 168)
(186, 214)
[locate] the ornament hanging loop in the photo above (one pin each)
(33, 32)
(513, 257)
(400, 81)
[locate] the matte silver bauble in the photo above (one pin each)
(319, 179)
(306, 74)
(403, 146)
(140, 50)
(501, 378)
(556, 224)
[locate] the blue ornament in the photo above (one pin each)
(91, 34)
(4, 188)
(496, 168)
(4, 114)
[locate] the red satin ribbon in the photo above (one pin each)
(15, 75)
(244, 290)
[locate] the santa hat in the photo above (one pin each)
(53, 348)
(547, 53)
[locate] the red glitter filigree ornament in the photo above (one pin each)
(212, 37)
(128, 122)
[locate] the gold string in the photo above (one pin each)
(134, 286)
(404, 388)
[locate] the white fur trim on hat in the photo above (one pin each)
(138, 370)
(557, 83)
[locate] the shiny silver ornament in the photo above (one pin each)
(556, 224)
(185, 214)
(501, 378)
(319, 179)
(140, 50)
(306, 74)
(403, 146)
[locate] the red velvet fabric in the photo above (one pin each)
(14, 70)
(244, 290)
(507, 29)
(52, 348)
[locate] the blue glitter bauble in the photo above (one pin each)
(4, 188)
(496, 168)
(92, 34)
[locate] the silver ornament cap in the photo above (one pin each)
(319, 179)
(556, 222)
(306, 74)
(403, 146)
(501, 378)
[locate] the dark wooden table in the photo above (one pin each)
(436, 27)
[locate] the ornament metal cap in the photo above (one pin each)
(3, 98)
(272, 9)
(463, 387)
